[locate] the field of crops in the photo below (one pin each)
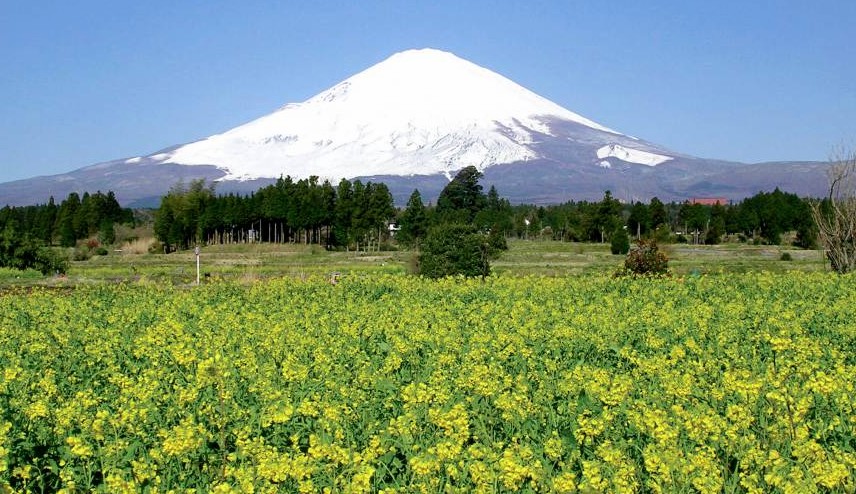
(388, 383)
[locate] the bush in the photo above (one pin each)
(49, 261)
(620, 242)
(786, 256)
(81, 253)
(712, 237)
(663, 234)
(451, 250)
(496, 241)
(646, 259)
(22, 253)
(156, 247)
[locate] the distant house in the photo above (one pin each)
(709, 201)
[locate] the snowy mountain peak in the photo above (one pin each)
(419, 112)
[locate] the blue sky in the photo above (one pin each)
(89, 81)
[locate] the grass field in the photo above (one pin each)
(548, 258)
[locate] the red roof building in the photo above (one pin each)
(709, 201)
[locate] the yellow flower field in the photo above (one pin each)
(726, 383)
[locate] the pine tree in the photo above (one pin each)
(657, 213)
(461, 199)
(413, 224)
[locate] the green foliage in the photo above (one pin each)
(413, 223)
(716, 225)
(177, 221)
(72, 220)
(22, 253)
(639, 221)
(774, 213)
(662, 234)
(646, 259)
(806, 234)
(306, 211)
(603, 218)
(496, 215)
(496, 242)
(619, 242)
(693, 217)
(461, 199)
(657, 213)
(51, 261)
(107, 232)
(451, 250)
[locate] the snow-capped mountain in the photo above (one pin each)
(412, 121)
(419, 112)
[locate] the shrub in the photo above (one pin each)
(81, 253)
(451, 250)
(786, 256)
(663, 234)
(646, 259)
(496, 241)
(22, 252)
(156, 247)
(620, 242)
(49, 261)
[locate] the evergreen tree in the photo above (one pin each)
(343, 213)
(413, 224)
(604, 218)
(461, 199)
(657, 213)
(619, 242)
(639, 222)
(716, 228)
(496, 215)
(68, 211)
(46, 220)
(693, 217)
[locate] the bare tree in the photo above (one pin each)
(835, 216)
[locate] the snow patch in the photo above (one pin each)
(631, 155)
(133, 161)
(605, 164)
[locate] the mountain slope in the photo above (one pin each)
(413, 120)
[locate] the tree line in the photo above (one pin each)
(76, 217)
(763, 218)
(357, 215)
(353, 214)
(28, 232)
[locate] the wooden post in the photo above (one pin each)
(196, 251)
